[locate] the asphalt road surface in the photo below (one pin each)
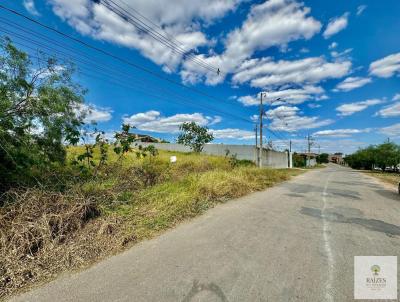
(293, 242)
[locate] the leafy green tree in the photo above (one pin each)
(194, 136)
(323, 158)
(123, 141)
(38, 113)
(383, 156)
(298, 160)
(387, 155)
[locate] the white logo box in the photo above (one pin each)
(375, 277)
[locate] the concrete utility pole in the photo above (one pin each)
(290, 155)
(256, 149)
(309, 143)
(261, 128)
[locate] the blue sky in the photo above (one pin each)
(334, 65)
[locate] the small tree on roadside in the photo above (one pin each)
(194, 136)
(323, 158)
(38, 114)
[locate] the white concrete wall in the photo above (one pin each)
(270, 158)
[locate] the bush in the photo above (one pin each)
(383, 156)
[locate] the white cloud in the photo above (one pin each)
(314, 106)
(351, 108)
(181, 19)
(94, 114)
(393, 131)
(336, 25)
(361, 9)
(396, 97)
(341, 55)
(265, 72)
(30, 7)
(346, 146)
(233, 134)
(288, 118)
(386, 67)
(333, 45)
(153, 121)
(390, 111)
(286, 96)
(351, 83)
(272, 23)
(339, 132)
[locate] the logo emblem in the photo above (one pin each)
(375, 270)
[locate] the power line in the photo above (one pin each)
(140, 23)
(109, 54)
(108, 71)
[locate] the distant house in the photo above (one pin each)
(310, 159)
(143, 138)
(336, 158)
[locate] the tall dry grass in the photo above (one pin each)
(45, 232)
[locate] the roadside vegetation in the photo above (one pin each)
(299, 161)
(69, 196)
(381, 161)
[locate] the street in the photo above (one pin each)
(292, 242)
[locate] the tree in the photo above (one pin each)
(323, 158)
(39, 113)
(194, 136)
(298, 160)
(387, 155)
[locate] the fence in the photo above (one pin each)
(273, 159)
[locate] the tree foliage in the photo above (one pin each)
(383, 156)
(298, 160)
(323, 158)
(38, 113)
(194, 136)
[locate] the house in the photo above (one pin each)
(336, 158)
(310, 159)
(145, 138)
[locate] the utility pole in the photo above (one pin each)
(290, 155)
(261, 128)
(309, 143)
(256, 149)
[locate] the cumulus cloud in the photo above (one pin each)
(386, 67)
(272, 23)
(153, 121)
(230, 133)
(351, 108)
(339, 132)
(351, 83)
(31, 7)
(94, 114)
(393, 130)
(336, 25)
(286, 96)
(179, 19)
(392, 110)
(266, 72)
(289, 119)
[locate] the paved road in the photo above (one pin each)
(293, 242)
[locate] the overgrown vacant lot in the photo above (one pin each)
(391, 178)
(77, 220)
